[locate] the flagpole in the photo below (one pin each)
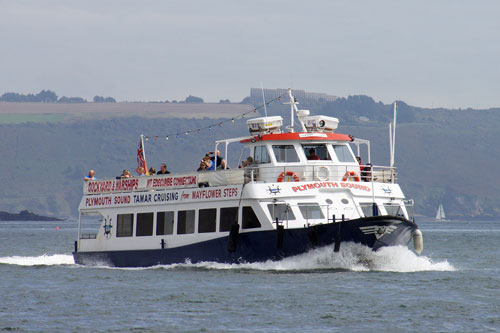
(143, 149)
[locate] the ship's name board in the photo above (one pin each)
(139, 183)
(317, 185)
(158, 197)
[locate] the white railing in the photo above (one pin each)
(257, 173)
(320, 172)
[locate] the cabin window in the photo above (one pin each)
(316, 152)
(343, 153)
(207, 220)
(124, 225)
(249, 219)
(185, 222)
(393, 209)
(311, 211)
(281, 211)
(285, 153)
(144, 225)
(367, 208)
(260, 155)
(228, 217)
(165, 223)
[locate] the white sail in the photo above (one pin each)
(440, 213)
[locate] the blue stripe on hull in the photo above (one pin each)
(261, 245)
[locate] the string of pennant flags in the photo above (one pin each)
(214, 125)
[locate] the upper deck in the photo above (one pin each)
(271, 156)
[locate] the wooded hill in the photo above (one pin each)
(442, 156)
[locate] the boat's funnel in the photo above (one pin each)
(418, 241)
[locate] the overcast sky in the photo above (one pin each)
(427, 53)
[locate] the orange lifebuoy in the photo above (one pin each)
(291, 174)
(352, 175)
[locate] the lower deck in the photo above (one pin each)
(170, 219)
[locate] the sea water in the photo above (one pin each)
(454, 286)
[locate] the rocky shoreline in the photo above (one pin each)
(26, 215)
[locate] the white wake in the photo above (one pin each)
(43, 260)
(352, 257)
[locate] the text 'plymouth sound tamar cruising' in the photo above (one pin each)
(297, 190)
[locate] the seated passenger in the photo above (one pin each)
(218, 159)
(125, 174)
(312, 155)
(361, 167)
(141, 171)
(91, 176)
(163, 170)
(205, 164)
(366, 174)
(248, 162)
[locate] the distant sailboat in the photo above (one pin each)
(440, 216)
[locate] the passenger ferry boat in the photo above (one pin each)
(302, 190)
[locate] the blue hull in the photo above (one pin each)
(374, 232)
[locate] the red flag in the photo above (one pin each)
(141, 158)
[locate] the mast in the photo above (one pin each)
(294, 110)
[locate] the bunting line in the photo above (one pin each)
(215, 125)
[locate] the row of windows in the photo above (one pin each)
(288, 153)
(207, 221)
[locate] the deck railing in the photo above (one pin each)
(256, 173)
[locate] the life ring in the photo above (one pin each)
(291, 174)
(322, 174)
(351, 174)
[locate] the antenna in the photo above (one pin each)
(393, 137)
(263, 98)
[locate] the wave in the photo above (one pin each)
(43, 260)
(352, 257)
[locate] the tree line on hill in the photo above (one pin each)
(48, 96)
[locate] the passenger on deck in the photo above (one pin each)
(366, 174)
(312, 155)
(152, 171)
(141, 171)
(248, 162)
(163, 170)
(205, 164)
(361, 167)
(91, 176)
(125, 174)
(221, 163)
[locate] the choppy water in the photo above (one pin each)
(453, 287)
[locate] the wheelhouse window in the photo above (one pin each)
(207, 220)
(165, 223)
(281, 211)
(185, 222)
(367, 208)
(393, 209)
(316, 152)
(285, 153)
(250, 220)
(260, 155)
(311, 211)
(343, 153)
(228, 217)
(124, 225)
(144, 224)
